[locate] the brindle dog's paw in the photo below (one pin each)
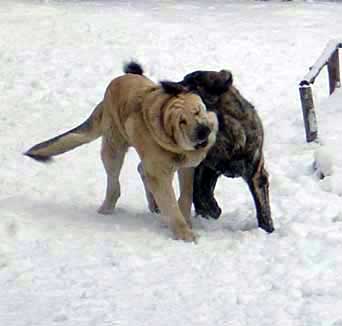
(104, 210)
(214, 211)
(268, 227)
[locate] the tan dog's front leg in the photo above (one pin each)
(185, 177)
(161, 188)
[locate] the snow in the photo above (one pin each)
(63, 264)
(328, 157)
(324, 161)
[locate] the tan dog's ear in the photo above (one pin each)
(173, 88)
(160, 116)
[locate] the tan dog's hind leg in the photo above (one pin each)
(162, 190)
(152, 205)
(112, 157)
(185, 177)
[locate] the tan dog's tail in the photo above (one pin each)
(133, 67)
(86, 132)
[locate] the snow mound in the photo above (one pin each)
(328, 157)
(323, 158)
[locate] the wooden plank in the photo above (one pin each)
(329, 58)
(323, 60)
(334, 71)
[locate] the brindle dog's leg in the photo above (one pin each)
(258, 185)
(204, 185)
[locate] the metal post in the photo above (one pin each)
(309, 114)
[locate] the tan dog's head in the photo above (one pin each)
(186, 119)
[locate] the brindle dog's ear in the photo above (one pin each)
(214, 82)
(193, 79)
(173, 88)
(227, 78)
(219, 82)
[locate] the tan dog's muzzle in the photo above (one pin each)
(205, 133)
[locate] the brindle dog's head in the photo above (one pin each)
(210, 85)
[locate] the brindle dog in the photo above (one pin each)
(238, 151)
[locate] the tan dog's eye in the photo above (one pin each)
(182, 122)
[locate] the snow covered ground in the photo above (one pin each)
(63, 264)
(328, 157)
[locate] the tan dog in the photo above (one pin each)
(167, 125)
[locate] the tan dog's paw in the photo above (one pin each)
(188, 221)
(152, 205)
(185, 234)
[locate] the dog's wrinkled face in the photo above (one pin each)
(210, 85)
(197, 127)
(188, 121)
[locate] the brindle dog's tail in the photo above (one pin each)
(86, 132)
